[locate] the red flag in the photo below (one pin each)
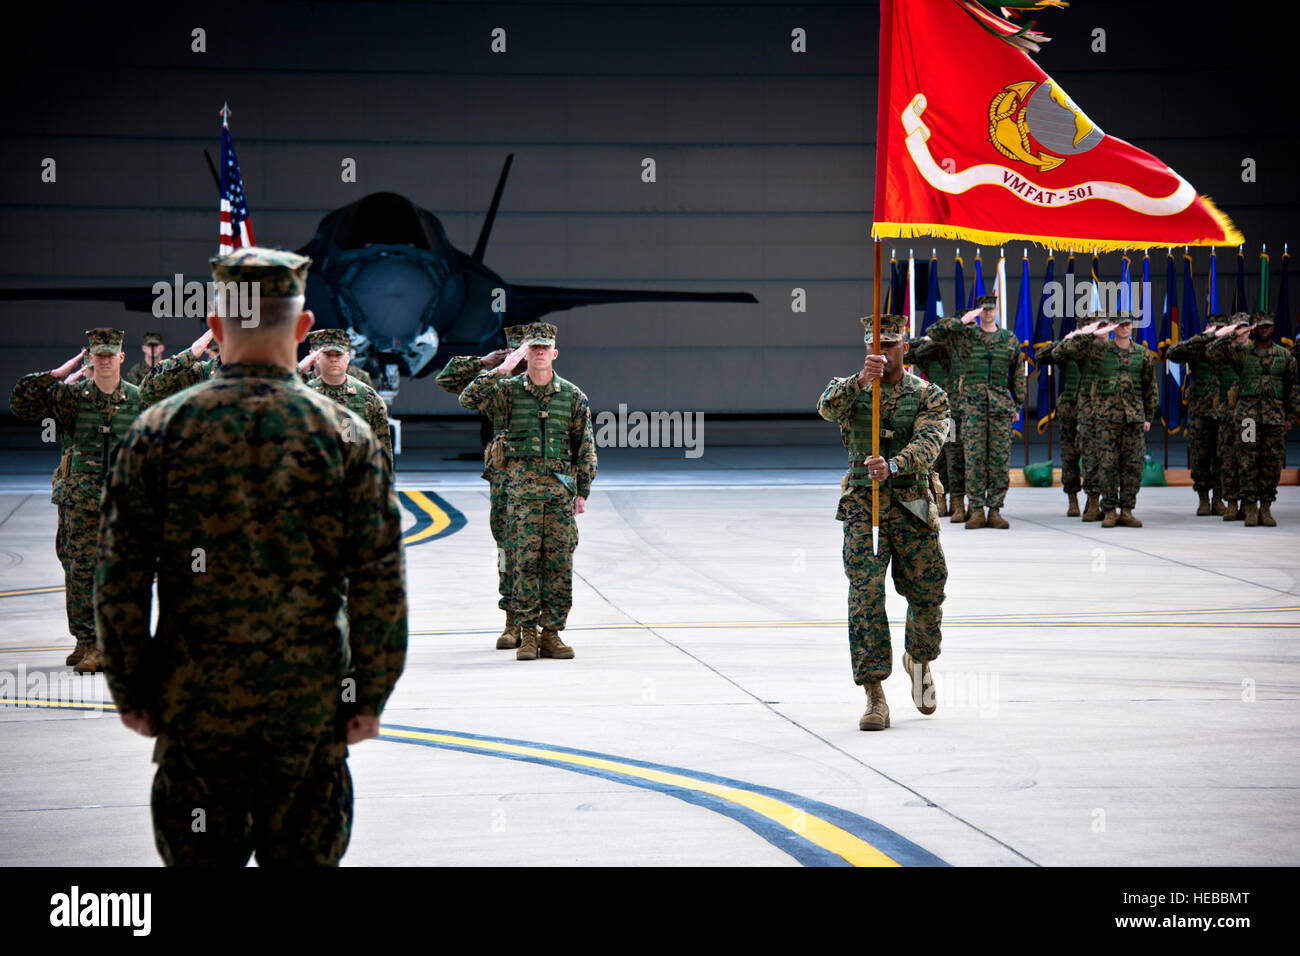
(976, 142)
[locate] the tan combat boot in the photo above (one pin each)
(922, 684)
(509, 638)
(527, 644)
(1230, 511)
(1252, 514)
(1217, 506)
(976, 519)
(1127, 520)
(996, 520)
(958, 509)
(89, 663)
(550, 645)
(1073, 510)
(1203, 504)
(1110, 519)
(942, 506)
(1092, 510)
(78, 652)
(877, 715)
(1266, 515)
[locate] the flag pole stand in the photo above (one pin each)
(1165, 423)
(1049, 418)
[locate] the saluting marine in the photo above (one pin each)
(152, 346)
(1067, 413)
(1203, 423)
(549, 457)
(458, 373)
(992, 390)
(1266, 402)
(182, 370)
(331, 354)
(1126, 399)
(913, 426)
(90, 416)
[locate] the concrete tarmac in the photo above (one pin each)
(1106, 697)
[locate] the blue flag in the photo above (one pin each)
(1212, 297)
(977, 286)
(1024, 329)
(1043, 335)
(959, 287)
(933, 301)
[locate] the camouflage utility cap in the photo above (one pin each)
(280, 273)
(330, 340)
(987, 302)
(1261, 318)
(538, 333)
(893, 328)
(1121, 318)
(105, 341)
(514, 335)
(152, 338)
(1216, 320)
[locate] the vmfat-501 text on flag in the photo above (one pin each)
(975, 142)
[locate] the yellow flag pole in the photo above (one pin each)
(875, 407)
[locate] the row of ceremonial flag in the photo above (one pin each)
(1034, 320)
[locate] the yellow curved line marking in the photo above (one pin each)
(439, 518)
(812, 828)
(49, 590)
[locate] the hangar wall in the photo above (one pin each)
(765, 162)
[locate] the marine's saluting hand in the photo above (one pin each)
(67, 368)
(201, 344)
(510, 361)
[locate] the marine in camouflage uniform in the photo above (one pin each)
(550, 462)
(458, 373)
(258, 502)
(932, 359)
(1067, 413)
(1267, 401)
(355, 395)
(180, 371)
(152, 344)
(913, 425)
(1202, 409)
(1126, 399)
(1229, 424)
(90, 421)
(992, 392)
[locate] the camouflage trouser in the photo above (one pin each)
(986, 434)
(76, 542)
(1230, 443)
(250, 806)
(1089, 454)
(541, 540)
(956, 474)
(1262, 461)
(1120, 447)
(1202, 451)
(497, 520)
(941, 464)
(1067, 415)
(919, 574)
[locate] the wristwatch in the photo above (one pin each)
(893, 468)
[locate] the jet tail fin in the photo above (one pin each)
(480, 247)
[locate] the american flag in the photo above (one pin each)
(236, 225)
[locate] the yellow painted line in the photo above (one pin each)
(812, 828)
(22, 591)
(439, 518)
(23, 702)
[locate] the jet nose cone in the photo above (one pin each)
(394, 295)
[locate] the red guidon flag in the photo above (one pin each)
(976, 142)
